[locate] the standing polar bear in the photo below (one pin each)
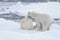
(43, 20)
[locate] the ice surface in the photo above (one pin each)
(51, 8)
(10, 30)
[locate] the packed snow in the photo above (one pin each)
(10, 30)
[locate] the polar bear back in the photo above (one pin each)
(44, 18)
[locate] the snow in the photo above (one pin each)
(51, 8)
(10, 30)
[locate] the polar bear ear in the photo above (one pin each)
(29, 13)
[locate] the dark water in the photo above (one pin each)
(12, 17)
(17, 18)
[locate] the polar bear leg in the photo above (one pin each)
(41, 26)
(46, 27)
(38, 25)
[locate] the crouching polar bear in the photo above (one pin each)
(27, 23)
(43, 21)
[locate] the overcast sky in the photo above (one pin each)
(30, 0)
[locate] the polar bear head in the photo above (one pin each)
(33, 14)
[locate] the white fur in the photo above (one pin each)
(27, 24)
(43, 20)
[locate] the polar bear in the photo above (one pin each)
(27, 23)
(43, 20)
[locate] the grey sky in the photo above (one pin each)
(30, 0)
